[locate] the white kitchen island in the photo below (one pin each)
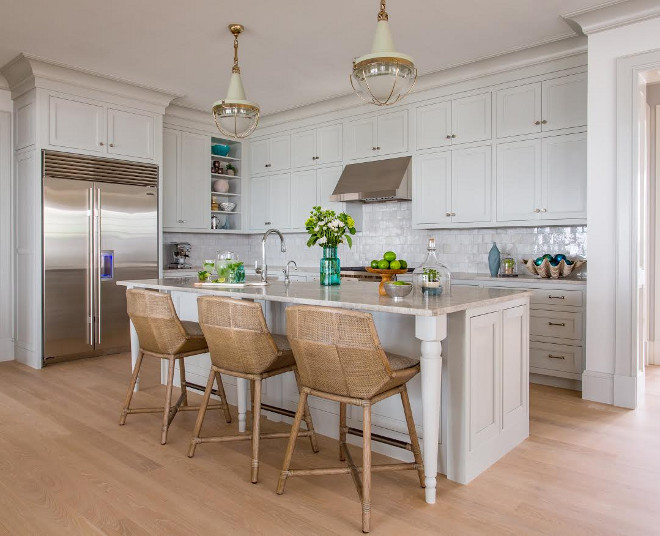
(472, 415)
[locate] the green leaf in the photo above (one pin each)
(349, 241)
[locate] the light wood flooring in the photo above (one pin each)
(66, 467)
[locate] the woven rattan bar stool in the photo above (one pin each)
(339, 357)
(163, 335)
(241, 346)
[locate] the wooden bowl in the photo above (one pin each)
(385, 276)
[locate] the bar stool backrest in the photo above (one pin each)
(157, 325)
(237, 334)
(337, 351)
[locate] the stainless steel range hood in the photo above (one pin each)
(381, 180)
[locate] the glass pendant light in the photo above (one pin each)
(385, 76)
(235, 116)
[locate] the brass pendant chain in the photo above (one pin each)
(235, 68)
(382, 14)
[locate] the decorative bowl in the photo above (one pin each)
(385, 276)
(397, 291)
(547, 270)
(219, 149)
(227, 207)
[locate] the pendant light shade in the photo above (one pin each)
(384, 76)
(235, 116)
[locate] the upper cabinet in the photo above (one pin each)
(317, 146)
(555, 104)
(270, 155)
(379, 135)
(84, 125)
(453, 122)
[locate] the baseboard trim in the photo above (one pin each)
(598, 386)
(626, 390)
(554, 381)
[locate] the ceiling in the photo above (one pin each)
(294, 52)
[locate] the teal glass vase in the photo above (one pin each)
(330, 267)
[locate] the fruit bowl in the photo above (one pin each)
(397, 290)
(385, 276)
(547, 270)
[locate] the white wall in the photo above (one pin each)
(603, 50)
(6, 286)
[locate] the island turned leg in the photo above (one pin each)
(431, 330)
(241, 393)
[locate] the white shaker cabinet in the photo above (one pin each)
(186, 180)
(303, 196)
(518, 110)
(316, 146)
(433, 125)
(130, 134)
(270, 202)
(270, 155)
(303, 148)
(75, 124)
(471, 119)
(379, 135)
(361, 138)
(431, 204)
(329, 144)
(392, 133)
(471, 185)
(259, 203)
(565, 102)
(518, 180)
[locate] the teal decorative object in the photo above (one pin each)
(494, 260)
(330, 267)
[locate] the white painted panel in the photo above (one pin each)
(361, 136)
(303, 148)
(327, 179)
(130, 134)
(329, 144)
(518, 110)
(77, 125)
(6, 227)
(259, 219)
(393, 132)
(432, 188)
(519, 180)
(565, 177)
(195, 181)
(433, 125)
(25, 126)
(565, 102)
(279, 201)
(471, 118)
(171, 171)
(515, 378)
(280, 153)
(303, 197)
(258, 157)
(471, 185)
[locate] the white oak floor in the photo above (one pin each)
(66, 467)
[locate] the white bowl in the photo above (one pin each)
(227, 207)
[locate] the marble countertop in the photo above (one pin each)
(523, 278)
(357, 295)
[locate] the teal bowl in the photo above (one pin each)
(219, 149)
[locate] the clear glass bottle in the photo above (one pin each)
(229, 268)
(432, 278)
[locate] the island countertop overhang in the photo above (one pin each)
(351, 295)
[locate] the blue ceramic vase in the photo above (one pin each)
(494, 260)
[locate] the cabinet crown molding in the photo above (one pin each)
(614, 15)
(27, 71)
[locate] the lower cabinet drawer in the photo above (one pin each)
(555, 324)
(555, 357)
(571, 298)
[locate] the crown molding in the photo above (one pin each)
(27, 71)
(613, 15)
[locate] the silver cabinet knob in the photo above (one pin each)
(373, 148)
(112, 145)
(544, 122)
(537, 122)
(449, 136)
(544, 210)
(266, 223)
(101, 143)
(448, 214)
(537, 210)
(378, 148)
(267, 165)
(453, 135)
(182, 221)
(453, 213)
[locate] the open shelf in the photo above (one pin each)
(223, 212)
(222, 176)
(225, 194)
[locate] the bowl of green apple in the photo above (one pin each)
(397, 289)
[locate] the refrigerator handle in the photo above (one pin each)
(97, 263)
(90, 266)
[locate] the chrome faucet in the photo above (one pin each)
(286, 269)
(264, 265)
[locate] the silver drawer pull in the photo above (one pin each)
(557, 297)
(556, 356)
(560, 324)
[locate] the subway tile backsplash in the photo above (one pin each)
(388, 226)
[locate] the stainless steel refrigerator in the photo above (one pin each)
(100, 225)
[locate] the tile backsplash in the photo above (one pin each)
(388, 226)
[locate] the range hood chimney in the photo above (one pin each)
(380, 180)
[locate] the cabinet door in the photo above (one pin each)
(303, 197)
(471, 119)
(393, 133)
(259, 203)
(259, 157)
(327, 179)
(565, 102)
(195, 189)
(432, 189)
(279, 201)
(519, 181)
(515, 376)
(280, 153)
(471, 185)
(130, 134)
(329, 144)
(76, 125)
(171, 173)
(303, 149)
(564, 174)
(361, 136)
(433, 125)
(518, 110)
